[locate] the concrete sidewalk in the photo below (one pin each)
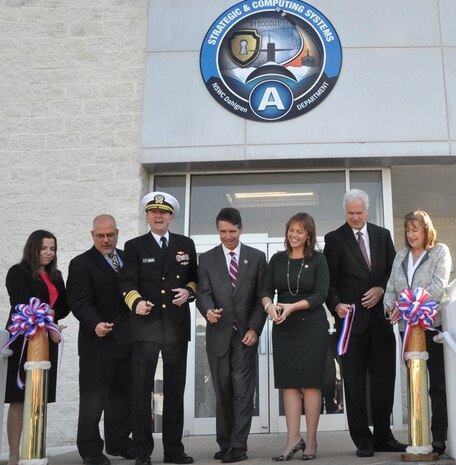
(334, 447)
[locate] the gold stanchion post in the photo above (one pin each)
(35, 404)
(420, 448)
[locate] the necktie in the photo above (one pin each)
(362, 246)
(233, 269)
(164, 244)
(115, 262)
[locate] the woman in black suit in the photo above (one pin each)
(35, 276)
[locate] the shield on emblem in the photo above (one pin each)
(245, 45)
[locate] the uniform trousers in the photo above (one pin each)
(104, 386)
(144, 363)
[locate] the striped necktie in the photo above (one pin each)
(115, 262)
(233, 269)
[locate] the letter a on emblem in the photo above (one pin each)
(271, 98)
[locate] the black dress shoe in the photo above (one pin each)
(392, 445)
(143, 461)
(99, 459)
(235, 455)
(365, 450)
(439, 447)
(128, 454)
(182, 458)
(221, 453)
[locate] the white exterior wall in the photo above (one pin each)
(71, 97)
(393, 98)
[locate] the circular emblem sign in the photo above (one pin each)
(270, 60)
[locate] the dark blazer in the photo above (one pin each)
(350, 276)
(21, 285)
(241, 304)
(93, 295)
(149, 274)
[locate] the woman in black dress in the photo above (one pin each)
(35, 276)
(300, 277)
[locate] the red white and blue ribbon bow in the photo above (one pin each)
(344, 339)
(27, 321)
(417, 309)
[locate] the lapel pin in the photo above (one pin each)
(246, 261)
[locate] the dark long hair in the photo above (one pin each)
(31, 255)
(308, 224)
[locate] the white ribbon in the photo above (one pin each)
(44, 365)
(34, 461)
(416, 355)
(419, 449)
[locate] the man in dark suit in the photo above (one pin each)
(229, 281)
(104, 346)
(360, 256)
(158, 280)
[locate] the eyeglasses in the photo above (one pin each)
(107, 236)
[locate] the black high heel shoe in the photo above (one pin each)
(301, 445)
(310, 456)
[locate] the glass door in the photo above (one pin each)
(268, 406)
(266, 200)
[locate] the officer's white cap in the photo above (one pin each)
(162, 201)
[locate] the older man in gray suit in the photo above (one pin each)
(229, 279)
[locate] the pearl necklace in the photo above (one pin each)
(297, 279)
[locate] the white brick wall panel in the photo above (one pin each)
(81, 91)
(56, 108)
(44, 125)
(15, 109)
(61, 141)
(46, 91)
(115, 122)
(126, 138)
(14, 125)
(98, 140)
(83, 123)
(70, 84)
(100, 106)
(123, 88)
(28, 141)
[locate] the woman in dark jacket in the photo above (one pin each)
(35, 276)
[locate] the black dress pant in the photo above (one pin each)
(144, 362)
(372, 352)
(437, 389)
(233, 377)
(104, 386)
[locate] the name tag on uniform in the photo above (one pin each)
(148, 260)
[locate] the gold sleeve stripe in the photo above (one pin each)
(130, 298)
(192, 286)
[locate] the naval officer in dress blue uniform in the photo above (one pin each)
(158, 280)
